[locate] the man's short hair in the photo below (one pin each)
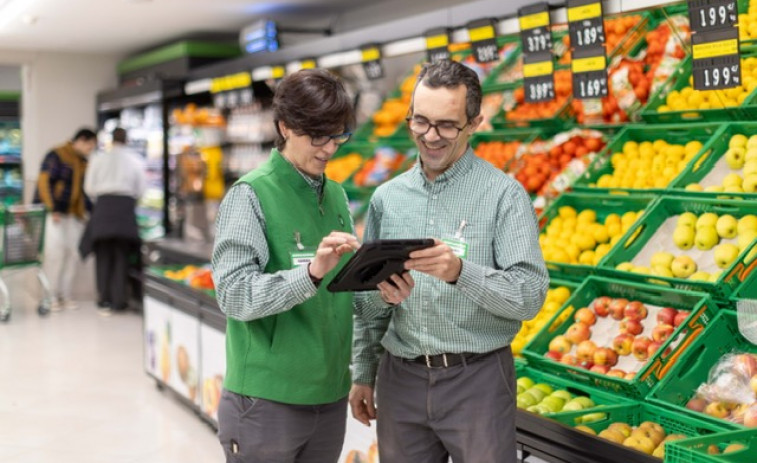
(119, 135)
(84, 135)
(451, 74)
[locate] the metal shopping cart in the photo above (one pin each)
(22, 243)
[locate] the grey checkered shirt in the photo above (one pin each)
(503, 279)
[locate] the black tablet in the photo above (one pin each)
(375, 262)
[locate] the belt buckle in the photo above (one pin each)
(428, 360)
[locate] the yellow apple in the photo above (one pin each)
(706, 219)
(705, 238)
(662, 258)
(683, 237)
(661, 271)
(738, 140)
(714, 189)
(694, 187)
(750, 167)
(745, 239)
(700, 276)
(727, 226)
(735, 157)
(747, 222)
(750, 183)
(625, 267)
(688, 219)
(725, 254)
(732, 179)
(683, 267)
(715, 276)
(752, 142)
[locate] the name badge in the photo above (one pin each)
(302, 258)
(459, 247)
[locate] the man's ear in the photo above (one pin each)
(475, 122)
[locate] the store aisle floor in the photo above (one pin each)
(73, 390)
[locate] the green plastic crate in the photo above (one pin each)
(721, 337)
(694, 450)
(600, 398)
(711, 154)
(603, 205)
(702, 311)
(644, 229)
(676, 134)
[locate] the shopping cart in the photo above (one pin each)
(21, 246)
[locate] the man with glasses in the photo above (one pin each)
(282, 234)
(434, 342)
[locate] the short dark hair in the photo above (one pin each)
(312, 102)
(84, 135)
(119, 135)
(451, 74)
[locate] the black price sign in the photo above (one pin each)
(437, 44)
(589, 68)
(483, 39)
(534, 28)
(706, 15)
(585, 24)
(717, 63)
(372, 62)
(538, 77)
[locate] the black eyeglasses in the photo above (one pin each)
(446, 130)
(322, 140)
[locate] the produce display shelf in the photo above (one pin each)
(696, 450)
(721, 337)
(701, 307)
(665, 208)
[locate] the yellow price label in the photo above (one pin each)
(579, 13)
(541, 68)
(308, 64)
(533, 21)
(713, 49)
(277, 72)
(437, 41)
(231, 82)
(371, 54)
(478, 34)
(594, 63)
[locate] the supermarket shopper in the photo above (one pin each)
(435, 343)
(281, 233)
(60, 189)
(115, 180)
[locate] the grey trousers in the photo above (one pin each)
(262, 431)
(467, 412)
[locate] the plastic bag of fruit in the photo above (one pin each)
(731, 380)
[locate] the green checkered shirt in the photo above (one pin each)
(503, 279)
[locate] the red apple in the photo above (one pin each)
(601, 306)
(560, 344)
(753, 384)
(640, 348)
(718, 410)
(601, 369)
(569, 359)
(697, 404)
(667, 315)
(746, 364)
(586, 365)
(662, 332)
(750, 417)
(585, 316)
(632, 327)
(653, 347)
(617, 308)
(556, 356)
(636, 310)
(680, 317)
(622, 343)
(631, 375)
(605, 356)
(577, 333)
(616, 373)
(585, 351)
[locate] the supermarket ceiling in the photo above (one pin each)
(125, 26)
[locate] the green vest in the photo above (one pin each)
(300, 356)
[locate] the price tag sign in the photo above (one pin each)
(483, 39)
(589, 68)
(538, 77)
(717, 63)
(437, 44)
(586, 24)
(707, 15)
(372, 62)
(308, 63)
(535, 34)
(278, 72)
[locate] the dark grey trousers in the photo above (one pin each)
(262, 431)
(467, 412)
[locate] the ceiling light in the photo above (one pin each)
(10, 10)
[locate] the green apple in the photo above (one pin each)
(563, 394)
(725, 254)
(584, 401)
(738, 140)
(525, 381)
(735, 157)
(706, 238)
(532, 408)
(554, 404)
(750, 183)
(745, 239)
(700, 276)
(747, 222)
(625, 267)
(525, 400)
(727, 226)
(706, 219)
(732, 179)
(592, 417)
(572, 406)
(683, 267)
(661, 271)
(688, 219)
(683, 237)
(538, 394)
(694, 187)
(662, 258)
(546, 388)
(520, 389)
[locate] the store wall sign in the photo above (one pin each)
(483, 37)
(371, 58)
(706, 15)
(437, 44)
(586, 24)
(260, 36)
(717, 63)
(589, 68)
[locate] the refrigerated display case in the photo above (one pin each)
(11, 178)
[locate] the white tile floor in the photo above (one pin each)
(72, 390)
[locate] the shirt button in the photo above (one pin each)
(434, 197)
(431, 222)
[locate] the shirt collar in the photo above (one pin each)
(455, 172)
(315, 183)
